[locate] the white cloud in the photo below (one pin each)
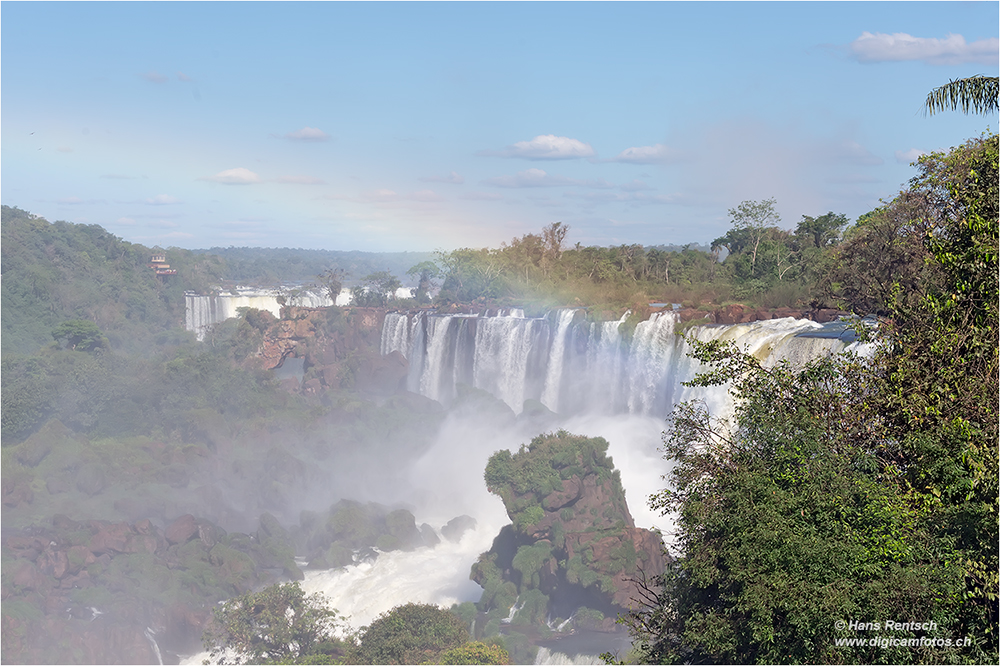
(655, 154)
(481, 196)
(452, 178)
(545, 147)
(162, 200)
(908, 156)
(181, 76)
(238, 176)
(299, 180)
(154, 77)
(899, 46)
(539, 178)
(308, 134)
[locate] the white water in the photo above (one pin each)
(546, 656)
(202, 312)
(575, 367)
(632, 386)
(557, 357)
(150, 636)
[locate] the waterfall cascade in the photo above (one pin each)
(605, 382)
(203, 311)
(574, 366)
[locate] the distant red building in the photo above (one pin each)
(159, 264)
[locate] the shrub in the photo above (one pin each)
(409, 634)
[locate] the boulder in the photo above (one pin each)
(572, 543)
(458, 526)
(182, 529)
(109, 537)
(91, 479)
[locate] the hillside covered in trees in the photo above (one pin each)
(859, 489)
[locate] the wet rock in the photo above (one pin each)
(90, 479)
(60, 483)
(28, 547)
(826, 315)
(61, 521)
(402, 527)
(181, 530)
(78, 557)
(572, 490)
(429, 536)
(17, 492)
(33, 450)
(458, 526)
(27, 576)
(382, 375)
(209, 533)
(108, 537)
(53, 563)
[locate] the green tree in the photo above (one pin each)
(790, 520)
(332, 280)
(409, 634)
(80, 335)
(750, 220)
(854, 489)
(376, 289)
(426, 273)
(475, 652)
(823, 230)
(975, 93)
(278, 625)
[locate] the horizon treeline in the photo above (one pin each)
(55, 272)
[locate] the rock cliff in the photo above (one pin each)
(573, 550)
(339, 348)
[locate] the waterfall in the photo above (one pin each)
(575, 367)
(395, 334)
(557, 357)
(503, 360)
(150, 636)
(201, 312)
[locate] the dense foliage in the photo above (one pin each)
(268, 266)
(409, 634)
(764, 265)
(278, 625)
(854, 490)
(58, 272)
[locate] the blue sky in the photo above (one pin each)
(423, 126)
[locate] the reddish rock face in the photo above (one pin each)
(340, 346)
(182, 530)
(109, 537)
(570, 516)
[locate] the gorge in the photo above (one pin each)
(505, 378)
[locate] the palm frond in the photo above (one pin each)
(976, 93)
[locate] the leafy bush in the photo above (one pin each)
(409, 634)
(475, 652)
(279, 624)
